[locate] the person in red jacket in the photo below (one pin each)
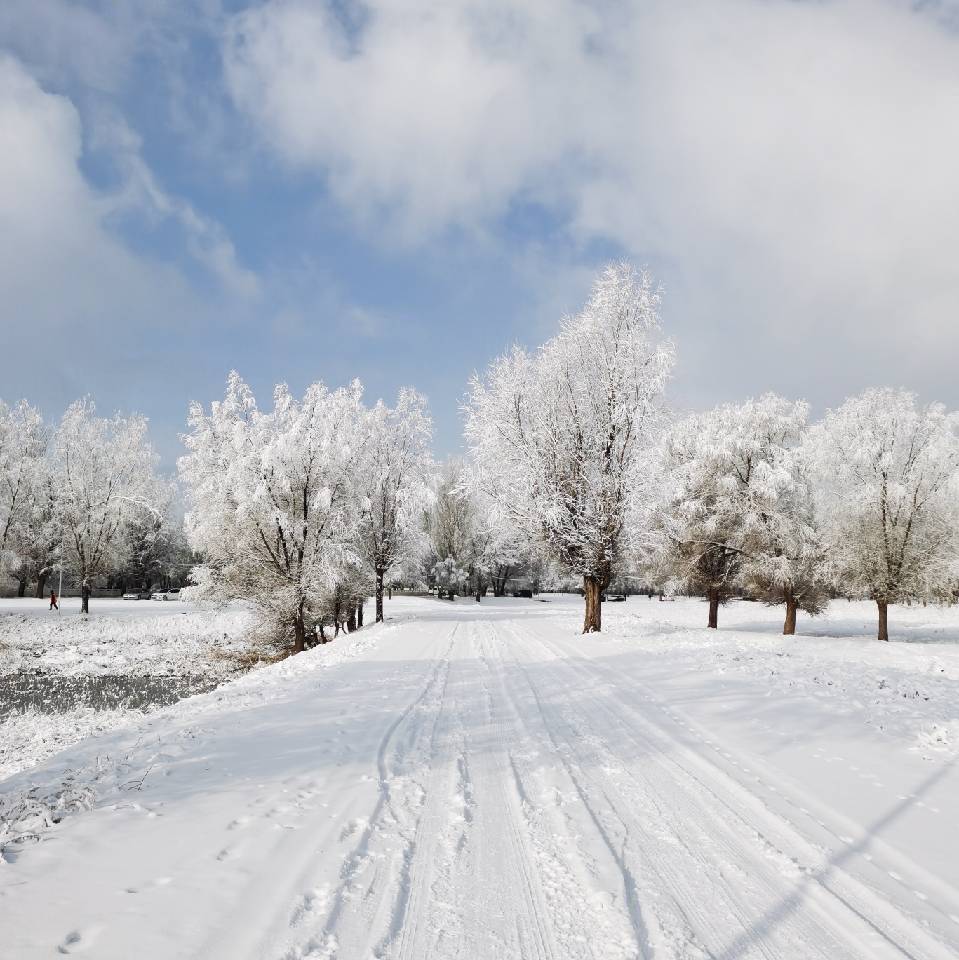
(53, 601)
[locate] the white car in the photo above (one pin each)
(166, 595)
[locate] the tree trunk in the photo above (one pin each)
(351, 619)
(883, 605)
(84, 596)
(713, 608)
(379, 596)
(41, 586)
(299, 633)
(594, 607)
(359, 614)
(792, 605)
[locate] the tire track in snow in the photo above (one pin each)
(474, 889)
(504, 861)
(287, 905)
(862, 893)
(584, 919)
(664, 773)
(651, 930)
(426, 851)
(362, 924)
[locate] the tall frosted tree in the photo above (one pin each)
(557, 436)
(392, 480)
(887, 489)
(271, 505)
(103, 475)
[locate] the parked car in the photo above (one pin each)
(130, 596)
(166, 594)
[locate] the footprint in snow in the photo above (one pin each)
(353, 828)
(310, 903)
(78, 941)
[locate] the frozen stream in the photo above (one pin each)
(54, 693)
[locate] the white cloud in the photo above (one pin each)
(61, 262)
(142, 196)
(444, 111)
(791, 163)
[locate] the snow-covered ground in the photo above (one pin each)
(120, 636)
(479, 781)
(174, 643)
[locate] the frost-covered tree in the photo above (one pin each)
(451, 529)
(340, 606)
(37, 538)
(557, 436)
(392, 478)
(887, 490)
(271, 505)
(103, 476)
(157, 551)
(736, 508)
(698, 534)
(23, 441)
(505, 551)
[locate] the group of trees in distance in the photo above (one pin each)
(574, 473)
(84, 496)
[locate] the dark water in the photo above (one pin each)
(55, 693)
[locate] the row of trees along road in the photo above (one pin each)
(75, 495)
(572, 469)
(861, 504)
(569, 446)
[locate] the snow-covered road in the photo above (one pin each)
(476, 782)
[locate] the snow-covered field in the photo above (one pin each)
(480, 782)
(173, 644)
(120, 636)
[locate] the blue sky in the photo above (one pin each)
(396, 191)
